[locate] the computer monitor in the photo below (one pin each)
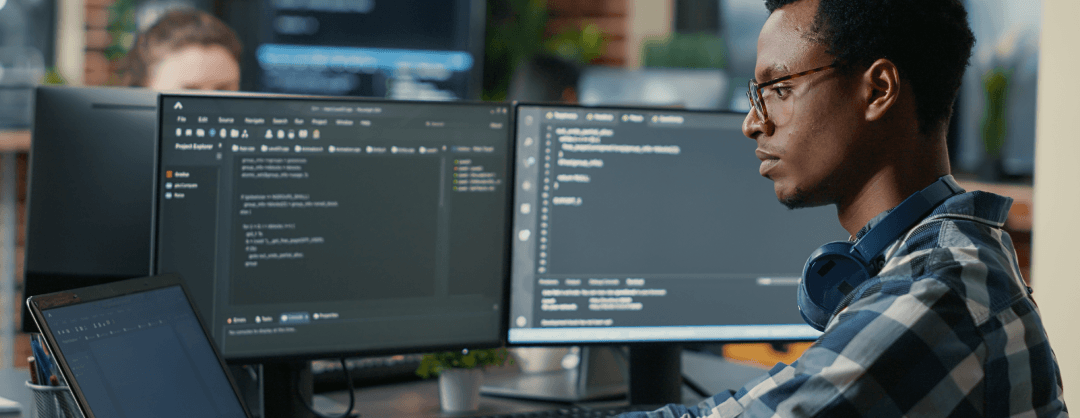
(319, 227)
(402, 49)
(90, 188)
(652, 227)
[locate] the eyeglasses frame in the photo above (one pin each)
(754, 89)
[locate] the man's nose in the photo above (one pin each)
(753, 126)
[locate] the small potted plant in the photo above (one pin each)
(460, 375)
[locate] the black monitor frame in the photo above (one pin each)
(298, 358)
(654, 365)
(90, 175)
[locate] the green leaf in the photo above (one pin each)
(433, 364)
(53, 77)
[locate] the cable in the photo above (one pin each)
(352, 397)
(695, 387)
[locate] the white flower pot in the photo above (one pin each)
(459, 389)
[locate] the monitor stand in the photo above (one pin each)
(599, 375)
(282, 382)
(655, 374)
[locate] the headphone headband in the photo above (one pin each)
(907, 214)
(835, 269)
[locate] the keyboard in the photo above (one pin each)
(577, 412)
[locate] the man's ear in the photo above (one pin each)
(882, 88)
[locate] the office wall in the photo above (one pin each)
(1056, 233)
(648, 19)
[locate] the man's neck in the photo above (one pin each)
(907, 174)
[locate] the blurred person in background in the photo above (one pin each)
(186, 49)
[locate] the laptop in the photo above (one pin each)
(136, 348)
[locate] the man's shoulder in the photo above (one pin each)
(962, 244)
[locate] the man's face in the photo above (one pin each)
(807, 145)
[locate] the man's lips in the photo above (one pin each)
(768, 161)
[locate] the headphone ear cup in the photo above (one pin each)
(831, 272)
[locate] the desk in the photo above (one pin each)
(421, 399)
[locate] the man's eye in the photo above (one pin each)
(780, 91)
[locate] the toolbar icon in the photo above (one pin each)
(178, 106)
(179, 132)
(303, 134)
(200, 132)
(244, 134)
(292, 134)
(235, 133)
(269, 134)
(280, 134)
(315, 135)
(224, 133)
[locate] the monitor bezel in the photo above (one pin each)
(510, 343)
(500, 339)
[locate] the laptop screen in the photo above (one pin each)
(142, 354)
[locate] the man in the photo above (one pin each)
(851, 108)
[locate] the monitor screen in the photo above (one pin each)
(90, 188)
(402, 49)
(642, 225)
(320, 227)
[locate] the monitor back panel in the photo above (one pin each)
(90, 188)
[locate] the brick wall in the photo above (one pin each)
(98, 70)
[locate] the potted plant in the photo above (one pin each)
(460, 375)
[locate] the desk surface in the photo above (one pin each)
(421, 399)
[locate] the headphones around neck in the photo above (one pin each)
(835, 269)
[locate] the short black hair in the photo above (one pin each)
(929, 41)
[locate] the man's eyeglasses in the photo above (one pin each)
(754, 92)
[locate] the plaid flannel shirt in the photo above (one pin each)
(947, 328)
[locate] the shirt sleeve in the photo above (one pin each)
(902, 347)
